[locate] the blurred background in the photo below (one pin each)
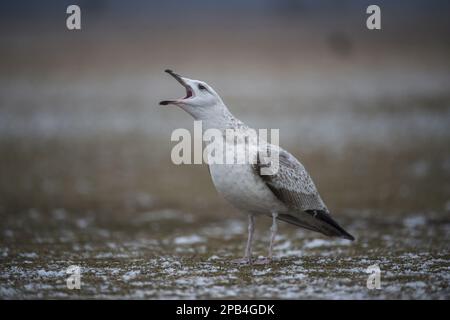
(85, 148)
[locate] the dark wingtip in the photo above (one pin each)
(168, 71)
(348, 236)
(164, 103)
(326, 218)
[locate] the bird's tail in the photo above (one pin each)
(319, 221)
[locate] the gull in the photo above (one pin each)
(289, 194)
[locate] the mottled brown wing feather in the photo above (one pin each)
(293, 186)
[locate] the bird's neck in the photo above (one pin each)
(222, 120)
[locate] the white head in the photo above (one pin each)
(201, 101)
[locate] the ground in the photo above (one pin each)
(170, 254)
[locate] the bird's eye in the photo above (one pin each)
(201, 87)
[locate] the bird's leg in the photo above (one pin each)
(273, 233)
(251, 231)
(248, 249)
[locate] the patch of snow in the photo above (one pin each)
(416, 285)
(7, 292)
(4, 252)
(131, 275)
(196, 281)
(318, 243)
(261, 272)
(295, 253)
(414, 221)
(82, 223)
(59, 214)
(50, 274)
(192, 239)
(29, 255)
(283, 246)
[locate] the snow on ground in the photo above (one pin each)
(196, 265)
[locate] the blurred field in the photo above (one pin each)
(86, 176)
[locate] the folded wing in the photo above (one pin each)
(293, 186)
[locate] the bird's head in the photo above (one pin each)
(201, 101)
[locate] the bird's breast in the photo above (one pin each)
(244, 189)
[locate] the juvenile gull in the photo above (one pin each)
(288, 195)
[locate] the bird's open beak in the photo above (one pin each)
(183, 81)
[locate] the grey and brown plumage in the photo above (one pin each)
(288, 195)
(293, 186)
